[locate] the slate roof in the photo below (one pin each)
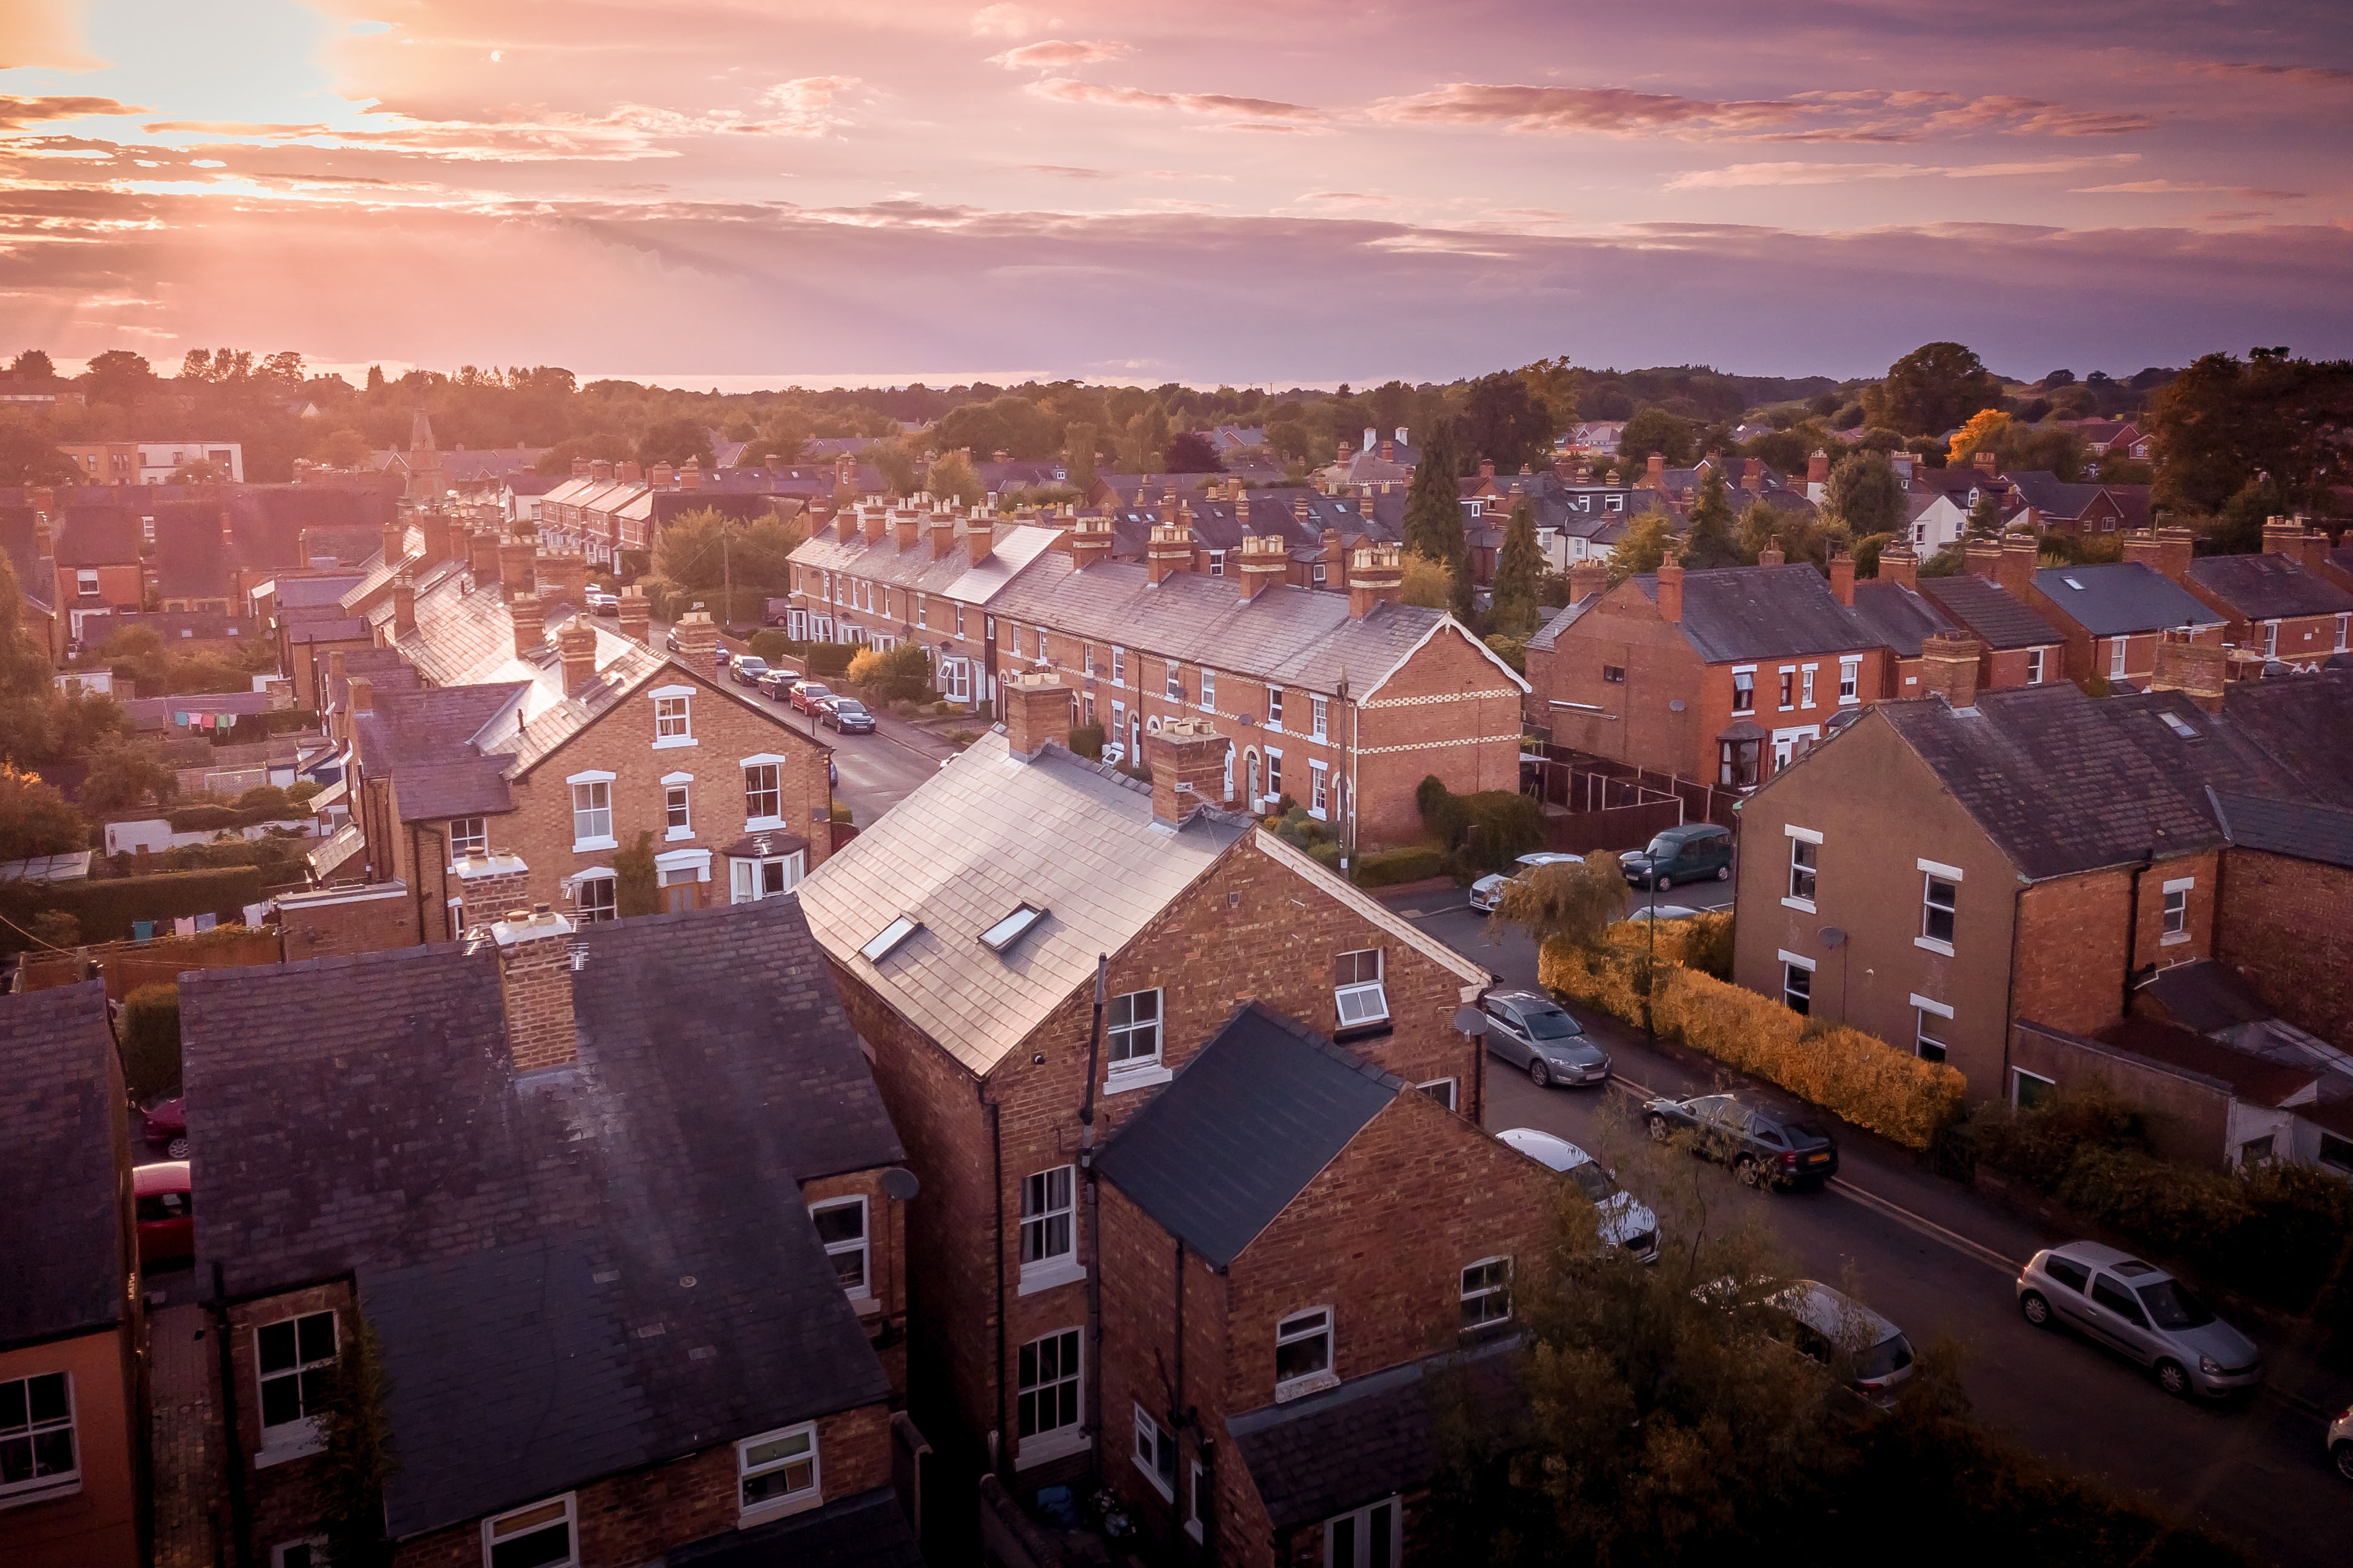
(99, 535)
(2050, 495)
(64, 1158)
(867, 1531)
(2180, 1045)
(1372, 1436)
(2123, 596)
(1764, 612)
(583, 1270)
(2205, 996)
(2294, 828)
(916, 570)
(1897, 616)
(2062, 783)
(1254, 1117)
(2268, 586)
(171, 626)
(1998, 618)
(1548, 635)
(2304, 723)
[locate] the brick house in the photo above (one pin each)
(1996, 859)
(2275, 603)
(2019, 646)
(527, 761)
(73, 1328)
(2114, 615)
(28, 537)
(1267, 1334)
(97, 550)
(965, 928)
(612, 1205)
(2287, 878)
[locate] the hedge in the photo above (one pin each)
(151, 1042)
(775, 646)
(830, 657)
(1412, 863)
(106, 909)
(1087, 740)
(1861, 1078)
(1481, 832)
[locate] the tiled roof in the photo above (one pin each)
(2050, 495)
(983, 835)
(2205, 996)
(1562, 619)
(1762, 611)
(2122, 597)
(2306, 832)
(2304, 723)
(2248, 1078)
(1257, 1114)
(101, 535)
(1997, 617)
(1897, 616)
(916, 569)
(171, 626)
(2269, 587)
(312, 593)
(62, 1132)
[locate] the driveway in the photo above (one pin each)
(1938, 1261)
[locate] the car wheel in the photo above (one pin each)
(1751, 1175)
(1659, 1130)
(2034, 1308)
(2174, 1378)
(1724, 873)
(177, 1148)
(1664, 883)
(2344, 1458)
(1538, 1076)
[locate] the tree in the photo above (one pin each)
(25, 458)
(1569, 902)
(1502, 420)
(2238, 526)
(895, 463)
(674, 441)
(604, 446)
(2221, 423)
(1079, 455)
(1985, 430)
(33, 364)
(1864, 496)
(1984, 518)
(637, 889)
(1392, 405)
(125, 773)
(35, 819)
(1519, 573)
(1553, 383)
(1426, 583)
(1190, 452)
(1433, 514)
(285, 368)
(198, 472)
(700, 550)
(118, 375)
(346, 448)
(1653, 430)
(1759, 525)
(1932, 389)
(1710, 545)
(952, 477)
(1643, 548)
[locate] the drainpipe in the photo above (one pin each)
(2132, 927)
(997, 1170)
(240, 1508)
(1093, 1211)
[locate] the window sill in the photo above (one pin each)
(1057, 1445)
(675, 834)
(1932, 945)
(1850, 702)
(46, 1494)
(764, 825)
(290, 1446)
(1193, 1528)
(1806, 905)
(781, 1508)
(1167, 1493)
(865, 1305)
(1119, 1081)
(672, 742)
(1371, 1029)
(2173, 939)
(1301, 1387)
(1049, 1276)
(587, 845)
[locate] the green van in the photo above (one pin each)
(1692, 853)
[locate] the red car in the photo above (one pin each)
(167, 1224)
(166, 1126)
(808, 694)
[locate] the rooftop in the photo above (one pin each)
(1764, 612)
(2294, 828)
(2268, 586)
(2122, 597)
(64, 1160)
(1998, 618)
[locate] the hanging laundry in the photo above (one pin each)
(185, 925)
(207, 922)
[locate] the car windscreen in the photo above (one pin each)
(849, 707)
(813, 690)
(2172, 1306)
(1885, 1359)
(1554, 1025)
(1807, 1130)
(1593, 1181)
(1662, 848)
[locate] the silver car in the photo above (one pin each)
(1831, 1323)
(2140, 1310)
(1487, 891)
(1625, 1222)
(1536, 1033)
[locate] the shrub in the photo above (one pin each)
(902, 674)
(299, 796)
(637, 885)
(1087, 740)
(1412, 863)
(829, 658)
(266, 800)
(1482, 832)
(775, 646)
(203, 818)
(151, 1041)
(1326, 854)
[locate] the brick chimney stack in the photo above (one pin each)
(1752, 475)
(1948, 666)
(906, 527)
(943, 527)
(1265, 562)
(1984, 460)
(396, 543)
(601, 471)
(1984, 558)
(2174, 548)
(2195, 668)
(1671, 589)
(1376, 577)
(362, 698)
(2141, 546)
(1090, 541)
(1335, 555)
(1169, 550)
(1898, 564)
(534, 948)
(1585, 579)
(577, 643)
(530, 629)
(690, 477)
(514, 567)
(582, 468)
(664, 477)
(874, 522)
(1771, 556)
(436, 528)
(482, 557)
(403, 605)
(628, 472)
(698, 640)
(1037, 710)
(2283, 536)
(979, 535)
(338, 666)
(1188, 768)
(1818, 467)
(2019, 553)
(636, 614)
(1842, 578)
(561, 578)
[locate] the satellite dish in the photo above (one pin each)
(1833, 937)
(898, 1185)
(1469, 1021)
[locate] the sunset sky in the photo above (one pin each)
(754, 192)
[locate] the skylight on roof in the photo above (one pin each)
(2180, 725)
(1011, 929)
(888, 938)
(2072, 584)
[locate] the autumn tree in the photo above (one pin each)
(35, 819)
(1567, 902)
(952, 477)
(1934, 388)
(1519, 573)
(1984, 431)
(1643, 549)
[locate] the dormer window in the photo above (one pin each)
(1011, 929)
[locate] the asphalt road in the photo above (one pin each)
(877, 770)
(1938, 1261)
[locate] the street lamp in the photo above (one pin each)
(1651, 970)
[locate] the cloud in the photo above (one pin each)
(1865, 115)
(1067, 89)
(2185, 187)
(1000, 22)
(1070, 171)
(1739, 175)
(17, 113)
(2298, 76)
(805, 104)
(1060, 54)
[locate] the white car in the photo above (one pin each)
(1664, 912)
(600, 603)
(1487, 890)
(1625, 1222)
(2340, 1443)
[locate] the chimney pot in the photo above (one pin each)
(698, 639)
(1585, 579)
(1771, 556)
(1265, 561)
(1169, 550)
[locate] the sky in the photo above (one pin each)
(747, 193)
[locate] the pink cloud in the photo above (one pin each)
(1860, 114)
(1061, 54)
(1067, 89)
(17, 113)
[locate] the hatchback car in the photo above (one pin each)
(2340, 1444)
(1625, 1221)
(1664, 912)
(1692, 853)
(849, 715)
(2140, 1310)
(1763, 1147)
(1535, 1033)
(1487, 891)
(749, 668)
(166, 1126)
(600, 603)
(167, 1225)
(806, 695)
(776, 681)
(1831, 1325)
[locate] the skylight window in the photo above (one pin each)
(2179, 726)
(1011, 929)
(2072, 584)
(887, 940)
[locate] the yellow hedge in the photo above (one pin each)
(1861, 1078)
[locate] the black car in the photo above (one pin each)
(776, 681)
(1764, 1148)
(749, 668)
(847, 715)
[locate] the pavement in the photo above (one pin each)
(1938, 1259)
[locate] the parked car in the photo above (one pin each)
(1692, 853)
(776, 680)
(806, 695)
(1763, 1147)
(1830, 1324)
(166, 1126)
(1664, 912)
(1535, 1033)
(600, 603)
(749, 668)
(849, 715)
(2140, 1310)
(1625, 1221)
(2340, 1443)
(167, 1225)
(1487, 891)
(669, 639)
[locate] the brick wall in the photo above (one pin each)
(2187, 1121)
(284, 1496)
(2072, 941)
(363, 920)
(1448, 711)
(2283, 931)
(886, 1267)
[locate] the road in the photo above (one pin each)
(1938, 1261)
(877, 770)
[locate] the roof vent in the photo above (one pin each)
(1012, 928)
(888, 938)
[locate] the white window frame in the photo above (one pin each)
(1153, 1441)
(1134, 1069)
(312, 1548)
(567, 1509)
(1744, 683)
(1319, 778)
(1485, 1295)
(1195, 1485)
(1319, 711)
(585, 817)
(607, 906)
(2271, 639)
(1048, 1196)
(1296, 1328)
(922, 612)
(2034, 666)
(1063, 1437)
(465, 840)
(1208, 690)
(799, 1500)
(862, 1246)
(1361, 1523)
(1789, 691)
(673, 717)
(1370, 997)
(747, 875)
(1174, 690)
(1793, 899)
(1441, 1090)
(291, 1439)
(1925, 1008)
(1118, 665)
(2017, 1074)
(1273, 772)
(1216, 562)
(2117, 648)
(2173, 917)
(57, 1483)
(678, 795)
(1933, 871)
(1805, 685)
(2344, 626)
(754, 790)
(1274, 709)
(85, 582)
(1794, 964)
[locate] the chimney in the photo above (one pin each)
(698, 639)
(1264, 562)
(338, 666)
(2018, 558)
(535, 975)
(1561, 471)
(530, 629)
(1948, 666)
(1169, 550)
(906, 526)
(582, 468)
(436, 527)
(361, 696)
(943, 527)
(1985, 462)
(2283, 536)
(1984, 558)
(562, 577)
(2141, 546)
(2192, 667)
(873, 522)
(690, 477)
(1585, 579)
(636, 614)
(629, 473)
(1671, 589)
(1388, 451)
(396, 543)
(2174, 548)
(1771, 554)
(979, 538)
(1037, 710)
(1487, 468)
(403, 605)
(514, 567)
(1752, 476)
(44, 544)
(577, 643)
(1842, 578)
(664, 475)
(1241, 504)
(483, 557)
(601, 471)
(2316, 548)
(1300, 510)
(1090, 541)
(1376, 577)
(1897, 564)
(1188, 758)
(1818, 467)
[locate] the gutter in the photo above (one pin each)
(996, 1457)
(1094, 1229)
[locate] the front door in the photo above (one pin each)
(1253, 781)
